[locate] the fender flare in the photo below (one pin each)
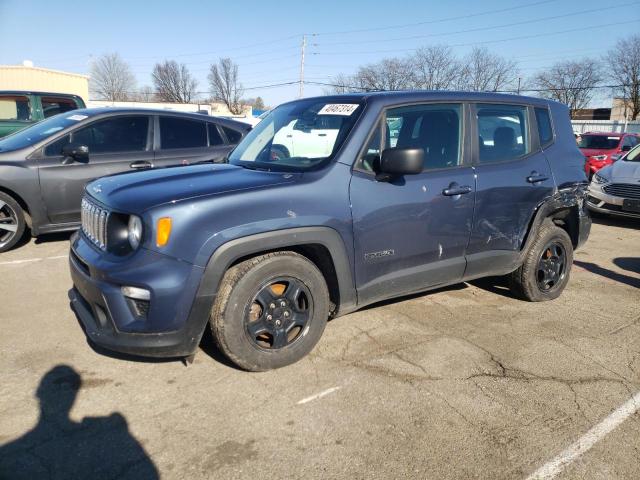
(233, 250)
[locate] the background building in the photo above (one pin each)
(35, 79)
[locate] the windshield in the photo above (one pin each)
(600, 142)
(297, 136)
(39, 131)
(633, 155)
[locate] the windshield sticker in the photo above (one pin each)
(345, 109)
(77, 117)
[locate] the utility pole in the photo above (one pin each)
(304, 46)
(519, 85)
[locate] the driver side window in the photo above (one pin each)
(372, 153)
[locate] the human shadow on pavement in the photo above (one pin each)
(605, 272)
(60, 448)
(630, 264)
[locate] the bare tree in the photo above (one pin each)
(388, 74)
(570, 82)
(483, 71)
(173, 82)
(623, 61)
(435, 68)
(111, 78)
(256, 103)
(342, 83)
(146, 94)
(225, 86)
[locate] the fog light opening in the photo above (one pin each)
(136, 293)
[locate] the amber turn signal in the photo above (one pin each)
(163, 231)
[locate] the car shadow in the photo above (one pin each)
(496, 285)
(610, 274)
(53, 237)
(59, 447)
(611, 221)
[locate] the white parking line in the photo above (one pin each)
(318, 395)
(31, 260)
(588, 440)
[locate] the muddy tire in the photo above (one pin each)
(270, 311)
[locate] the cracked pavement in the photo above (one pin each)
(464, 382)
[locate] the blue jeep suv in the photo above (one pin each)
(327, 205)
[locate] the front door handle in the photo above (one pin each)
(536, 177)
(455, 189)
(141, 164)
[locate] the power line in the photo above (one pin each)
(480, 29)
(486, 42)
(441, 20)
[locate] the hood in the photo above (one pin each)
(590, 152)
(624, 171)
(138, 191)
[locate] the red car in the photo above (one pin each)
(604, 148)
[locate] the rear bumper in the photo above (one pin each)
(176, 316)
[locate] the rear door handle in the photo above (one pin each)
(140, 164)
(322, 134)
(536, 177)
(454, 190)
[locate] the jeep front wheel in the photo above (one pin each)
(270, 311)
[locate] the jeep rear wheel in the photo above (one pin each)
(270, 311)
(12, 222)
(547, 265)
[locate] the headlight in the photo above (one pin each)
(134, 231)
(599, 179)
(599, 157)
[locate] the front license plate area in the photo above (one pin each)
(631, 205)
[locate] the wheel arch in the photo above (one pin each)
(566, 210)
(321, 245)
(21, 201)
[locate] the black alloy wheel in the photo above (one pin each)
(279, 313)
(552, 266)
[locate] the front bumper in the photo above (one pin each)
(176, 316)
(601, 202)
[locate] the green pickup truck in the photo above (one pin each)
(19, 109)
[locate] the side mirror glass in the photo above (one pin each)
(626, 148)
(400, 161)
(75, 151)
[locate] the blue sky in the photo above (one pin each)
(264, 37)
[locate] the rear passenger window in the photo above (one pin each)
(234, 136)
(53, 105)
(503, 132)
(214, 135)
(437, 129)
(545, 131)
(181, 133)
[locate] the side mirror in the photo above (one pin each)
(626, 148)
(75, 151)
(400, 161)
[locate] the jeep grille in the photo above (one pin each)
(94, 223)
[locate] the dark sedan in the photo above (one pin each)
(44, 168)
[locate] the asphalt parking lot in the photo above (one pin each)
(465, 382)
